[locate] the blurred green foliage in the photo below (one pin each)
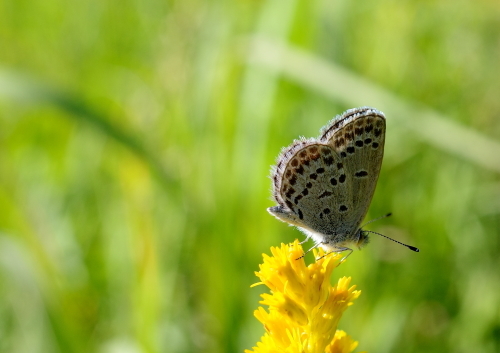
(135, 143)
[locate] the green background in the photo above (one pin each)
(136, 138)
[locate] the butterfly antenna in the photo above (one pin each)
(385, 236)
(376, 219)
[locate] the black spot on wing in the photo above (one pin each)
(325, 194)
(361, 173)
(328, 160)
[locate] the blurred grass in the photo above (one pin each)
(135, 143)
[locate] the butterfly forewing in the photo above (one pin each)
(359, 141)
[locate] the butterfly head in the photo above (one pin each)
(362, 237)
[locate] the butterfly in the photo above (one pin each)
(324, 186)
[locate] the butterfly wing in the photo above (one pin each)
(309, 186)
(358, 137)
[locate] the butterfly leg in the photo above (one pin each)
(338, 250)
(328, 253)
(345, 257)
(304, 254)
(306, 239)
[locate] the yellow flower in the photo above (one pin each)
(303, 307)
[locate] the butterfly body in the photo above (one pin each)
(324, 186)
